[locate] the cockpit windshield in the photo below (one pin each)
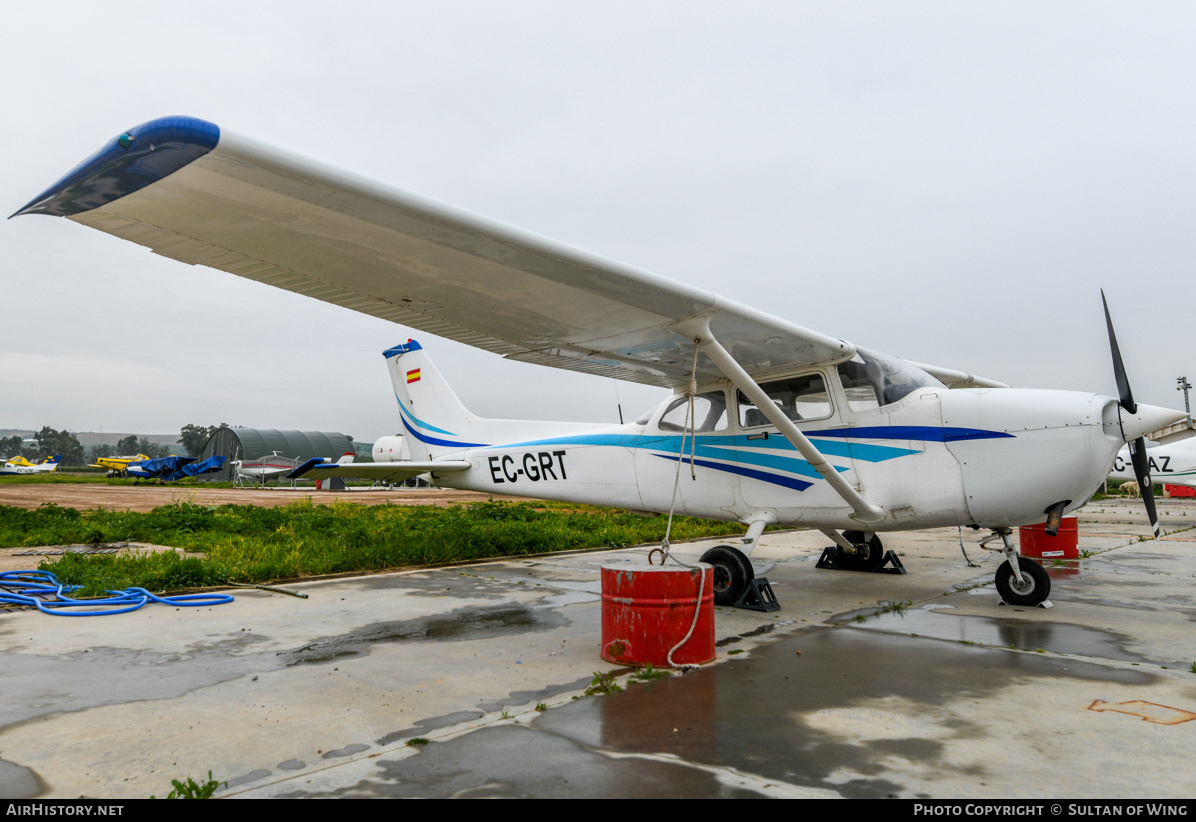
(871, 380)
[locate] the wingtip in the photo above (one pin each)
(127, 163)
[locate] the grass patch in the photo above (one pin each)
(603, 684)
(190, 789)
(249, 544)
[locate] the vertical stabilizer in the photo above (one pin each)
(434, 420)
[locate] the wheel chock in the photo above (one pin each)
(758, 597)
(828, 560)
(889, 565)
(893, 563)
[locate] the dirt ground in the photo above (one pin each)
(147, 497)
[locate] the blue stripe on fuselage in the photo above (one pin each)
(787, 482)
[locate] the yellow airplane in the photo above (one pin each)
(19, 465)
(117, 466)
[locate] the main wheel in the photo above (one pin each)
(732, 573)
(1034, 587)
(868, 560)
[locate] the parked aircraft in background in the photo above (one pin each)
(19, 466)
(390, 449)
(116, 465)
(1172, 463)
(771, 422)
(263, 469)
(169, 469)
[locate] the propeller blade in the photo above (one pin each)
(1123, 384)
(1142, 473)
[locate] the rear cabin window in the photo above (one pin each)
(710, 413)
(799, 398)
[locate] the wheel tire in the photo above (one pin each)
(732, 573)
(1036, 588)
(861, 562)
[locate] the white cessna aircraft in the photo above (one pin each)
(788, 426)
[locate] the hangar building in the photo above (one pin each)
(254, 443)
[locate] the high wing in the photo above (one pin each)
(193, 192)
(384, 471)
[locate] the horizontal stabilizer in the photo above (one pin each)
(385, 471)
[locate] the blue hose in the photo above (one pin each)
(32, 588)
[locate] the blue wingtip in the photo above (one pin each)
(305, 467)
(127, 163)
(410, 345)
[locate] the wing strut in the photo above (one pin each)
(698, 329)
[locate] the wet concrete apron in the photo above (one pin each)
(847, 691)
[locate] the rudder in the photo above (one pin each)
(434, 419)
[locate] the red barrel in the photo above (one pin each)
(1035, 543)
(647, 609)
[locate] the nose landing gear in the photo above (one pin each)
(1020, 581)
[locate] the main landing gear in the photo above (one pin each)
(1020, 581)
(732, 573)
(735, 581)
(868, 554)
(857, 551)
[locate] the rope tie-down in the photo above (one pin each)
(688, 429)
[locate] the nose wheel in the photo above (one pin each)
(1033, 587)
(1025, 583)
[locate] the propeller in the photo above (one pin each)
(1138, 446)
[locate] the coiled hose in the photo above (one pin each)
(43, 590)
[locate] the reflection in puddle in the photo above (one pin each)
(942, 623)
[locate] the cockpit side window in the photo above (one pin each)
(871, 380)
(710, 413)
(800, 398)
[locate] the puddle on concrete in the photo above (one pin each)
(449, 583)
(751, 714)
(247, 779)
(18, 782)
(461, 624)
(431, 724)
(348, 750)
(517, 762)
(109, 676)
(1007, 632)
(782, 714)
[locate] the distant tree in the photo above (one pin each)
(152, 449)
(194, 437)
(61, 443)
(127, 447)
(10, 446)
(98, 451)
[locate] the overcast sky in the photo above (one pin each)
(951, 182)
